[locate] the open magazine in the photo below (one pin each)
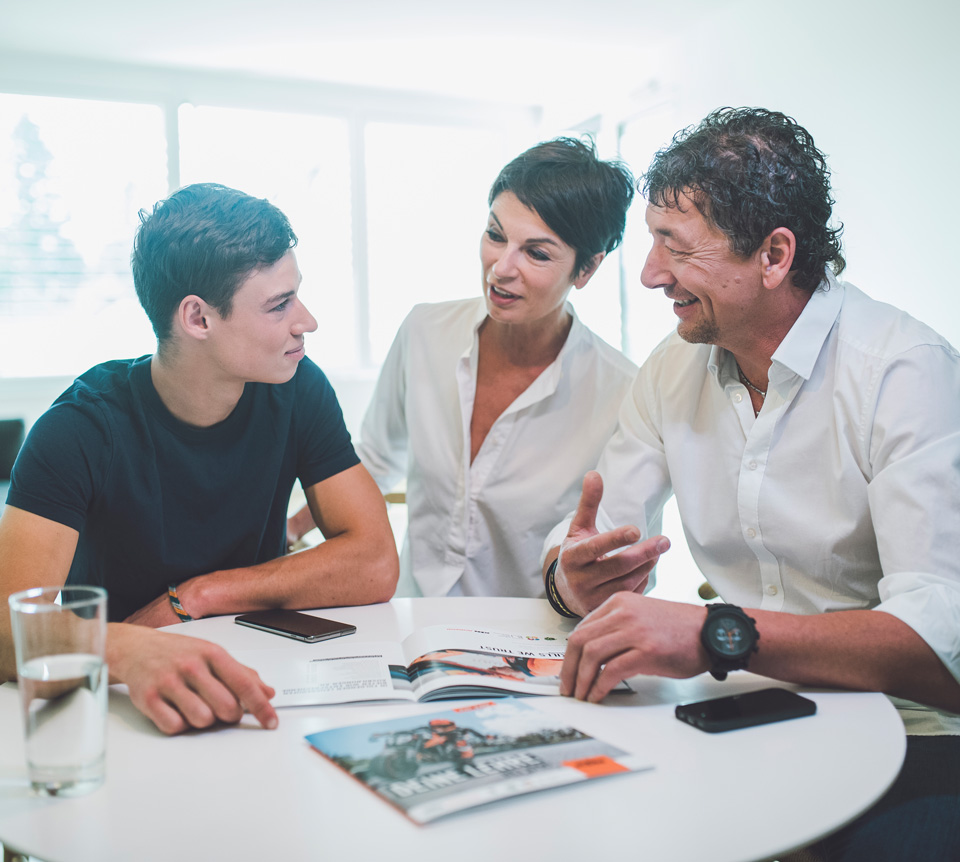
(436, 764)
(434, 663)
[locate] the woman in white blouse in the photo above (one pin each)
(494, 408)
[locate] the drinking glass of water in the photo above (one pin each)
(59, 635)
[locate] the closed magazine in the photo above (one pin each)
(431, 765)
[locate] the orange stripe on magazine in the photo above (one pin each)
(594, 767)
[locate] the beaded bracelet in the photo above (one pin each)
(175, 604)
(553, 594)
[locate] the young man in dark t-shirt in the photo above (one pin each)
(166, 478)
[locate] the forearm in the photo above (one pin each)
(630, 634)
(344, 570)
(357, 564)
(859, 650)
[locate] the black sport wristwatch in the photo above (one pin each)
(730, 637)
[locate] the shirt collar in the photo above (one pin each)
(576, 333)
(801, 346)
(798, 352)
(547, 383)
(574, 336)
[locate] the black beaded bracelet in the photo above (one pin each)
(553, 595)
(175, 604)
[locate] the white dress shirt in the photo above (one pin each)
(843, 493)
(476, 529)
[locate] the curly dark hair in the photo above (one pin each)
(750, 171)
(582, 199)
(204, 239)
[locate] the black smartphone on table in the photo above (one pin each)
(745, 710)
(293, 624)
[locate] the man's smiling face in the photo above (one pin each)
(714, 290)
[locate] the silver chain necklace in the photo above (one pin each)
(743, 379)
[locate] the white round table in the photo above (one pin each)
(244, 793)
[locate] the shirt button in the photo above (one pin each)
(751, 533)
(752, 465)
(772, 590)
(737, 397)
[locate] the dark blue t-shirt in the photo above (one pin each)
(157, 501)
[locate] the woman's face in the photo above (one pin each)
(527, 269)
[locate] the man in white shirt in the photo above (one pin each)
(812, 438)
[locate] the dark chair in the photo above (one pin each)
(11, 439)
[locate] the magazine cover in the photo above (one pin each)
(434, 663)
(431, 765)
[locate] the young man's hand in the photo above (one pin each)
(182, 682)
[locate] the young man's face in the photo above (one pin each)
(261, 340)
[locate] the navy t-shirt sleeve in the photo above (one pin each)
(62, 462)
(324, 448)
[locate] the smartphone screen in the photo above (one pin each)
(293, 624)
(745, 710)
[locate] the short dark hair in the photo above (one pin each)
(582, 199)
(205, 239)
(750, 171)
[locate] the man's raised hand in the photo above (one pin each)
(589, 571)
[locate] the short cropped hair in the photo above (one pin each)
(582, 199)
(205, 239)
(750, 171)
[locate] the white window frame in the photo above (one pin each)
(32, 74)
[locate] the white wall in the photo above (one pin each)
(876, 85)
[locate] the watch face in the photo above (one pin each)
(728, 637)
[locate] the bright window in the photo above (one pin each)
(427, 206)
(648, 317)
(388, 212)
(300, 163)
(73, 175)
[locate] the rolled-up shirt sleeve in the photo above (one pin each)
(914, 496)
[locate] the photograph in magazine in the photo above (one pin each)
(434, 663)
(431, 765)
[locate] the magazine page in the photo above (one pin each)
(431, 765)
(339, 671)
(449, 661)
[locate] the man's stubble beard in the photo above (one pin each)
(698, 332)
